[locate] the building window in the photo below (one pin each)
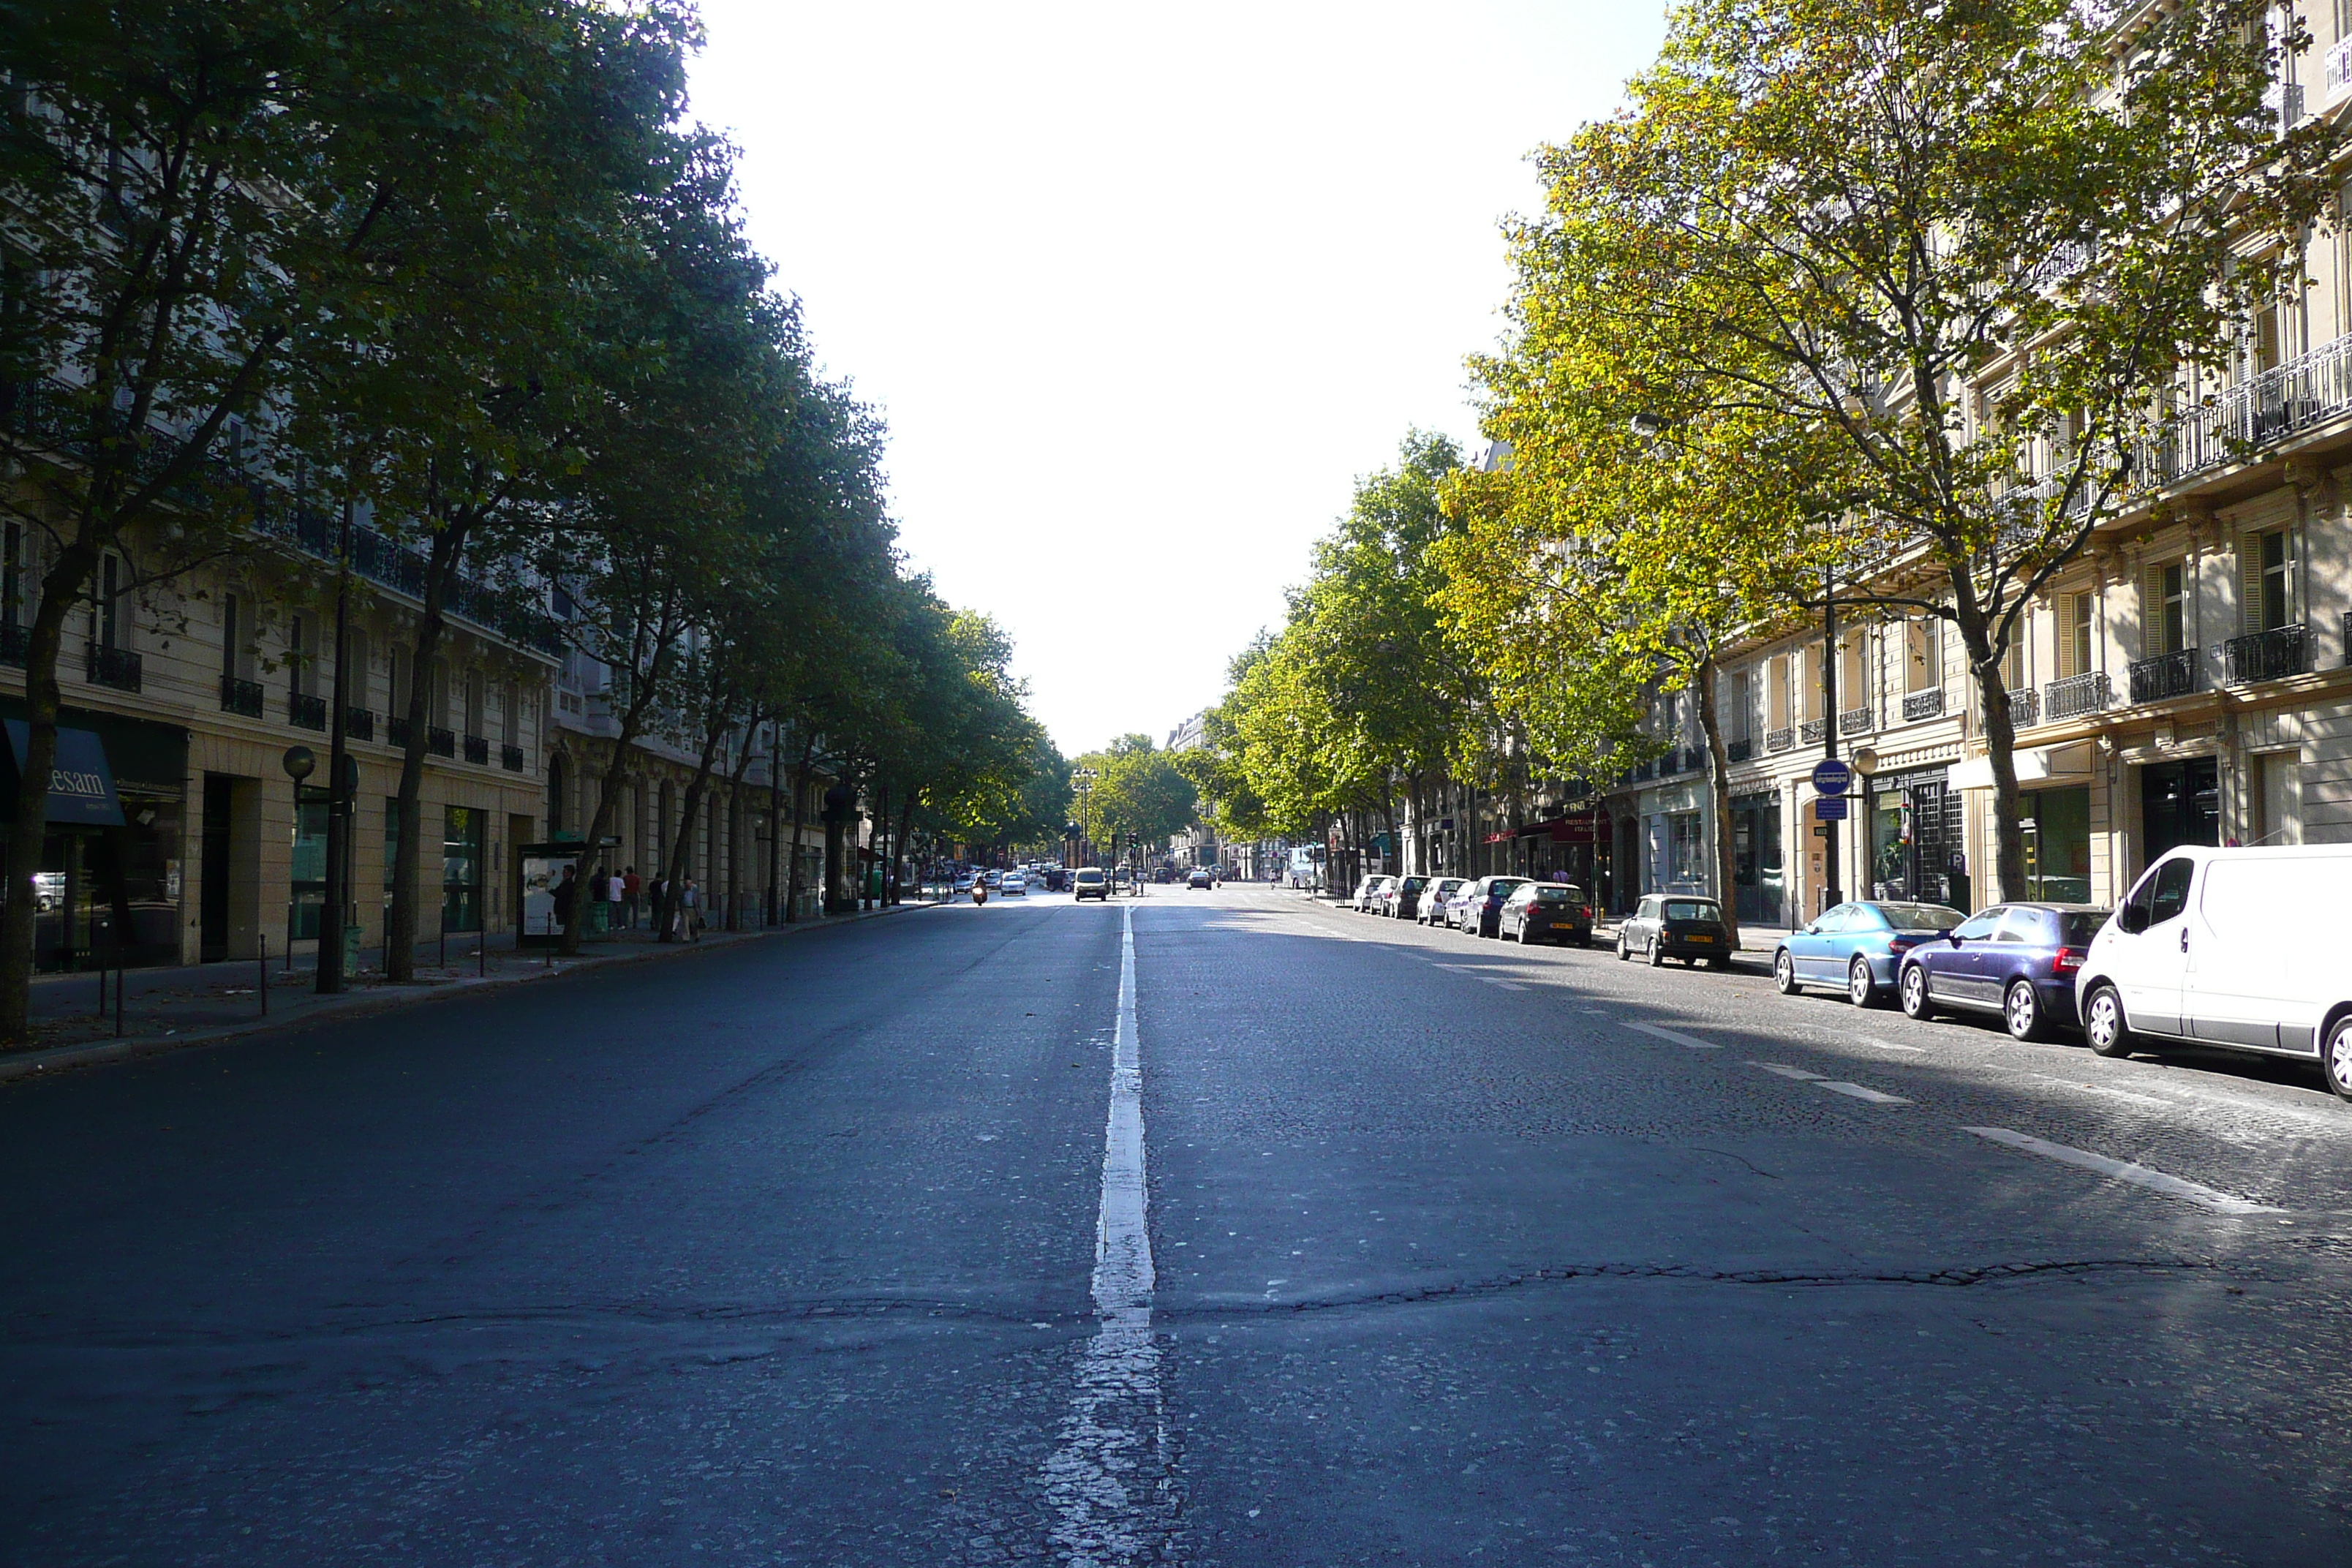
(106, 617)
(511, 714)
(301, 639)
(401, 660)
(2075, 634)
(477, 702)
(12, 575)
(2266, 569)
(1923, 653)
(2163, 599)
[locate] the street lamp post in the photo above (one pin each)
(1083, 781)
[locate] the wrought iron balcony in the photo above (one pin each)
(1857, 720)
(306, 712)
(1927, 704)
(510, 758)
(1812, 731)
(1779, 740)
(2166, 675)
(241, 697)
(2077, 695)
(359, 723)
(439, 741)
(396, 732)
(1739, 750)
(2024, 709)
(477, 750)
(1643, 771)
(2272, 654)
(115, 666)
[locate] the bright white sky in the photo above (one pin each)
(1141, 290)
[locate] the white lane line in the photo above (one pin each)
(1800, 1074)
(1693, 1041)
(2123, 1171)
(1107, 1482)
(2123, 1094)
(1877, 1044)
(1876, 1097)
(1594, 1011)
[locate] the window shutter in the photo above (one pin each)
(2250, 581)
(2151, 611)
(2066, 637)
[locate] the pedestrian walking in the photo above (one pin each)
(613, 891)
(597, 883)
(563, 894)
(690, 900)
(631, 888)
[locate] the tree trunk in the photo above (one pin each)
(1718, 771)
(800, 819)
(61, 593)
(402, 920)
(682, 847)
(2001, 749)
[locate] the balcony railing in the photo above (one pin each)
(241, 697)
(2077, 695)
(2272, 654)
(510, 758)
(439, 741)
(1779, 740)
(359, 723)
(1643, 771)
(396, 732)
(1812, 731)
(2166, 675)
(306, 712)
(13, 638)
(115, 667)
(1857, 720)
(1919, 705)
(477, 750)
(1739, 750)
(2025, 709)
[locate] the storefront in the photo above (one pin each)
(108, 887)
(2056, 823)
(1917, 842)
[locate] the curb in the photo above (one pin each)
(64, 1058)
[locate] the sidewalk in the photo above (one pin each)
(166, 1008)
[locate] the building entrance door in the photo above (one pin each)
(2179, 803)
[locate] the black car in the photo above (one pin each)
(1481, 903)
(2019, 960)
(1677, 925)
(1547, 911)
(1403, 900)
(1200, 879)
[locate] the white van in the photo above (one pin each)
(2243, 949)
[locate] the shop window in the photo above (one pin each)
(2056, 823)
(309, 864)
(1689, 862)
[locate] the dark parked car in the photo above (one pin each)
(1479, 906)
(2018, 959)
(1402, 898)
(1857, 946)
(1677, 925)
(1547, 911)
(1434, 897)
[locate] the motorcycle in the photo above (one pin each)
(979, 894)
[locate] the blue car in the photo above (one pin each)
(1856, 947)
(2017, 960)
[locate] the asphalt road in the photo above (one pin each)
(1414, 1249)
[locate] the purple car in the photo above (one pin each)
(2017, 960)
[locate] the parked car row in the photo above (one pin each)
(1517, 908)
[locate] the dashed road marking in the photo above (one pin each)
(2123, 1094)
(2124, 1171)
(1691, 1041)
(1800, 1074)
(1876, 1044)
(1858, 1091)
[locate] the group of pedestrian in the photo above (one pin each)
(620, 893)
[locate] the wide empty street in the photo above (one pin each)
(1218, 1227)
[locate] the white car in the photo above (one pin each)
(1015, 882)
(2237, 949)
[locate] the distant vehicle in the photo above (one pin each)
(1480, 905)
(1432, 903)
(2017, 960)
(1302, 871)
(1057, 878)
(1014, 884)
(1367, 893)
(2237, 949)
(965, 883)
(1858, 944)
(1677, 925)
(1089, 882)
(1401, 899)
(992, 877)
(1200, 879)
(1547, 911)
